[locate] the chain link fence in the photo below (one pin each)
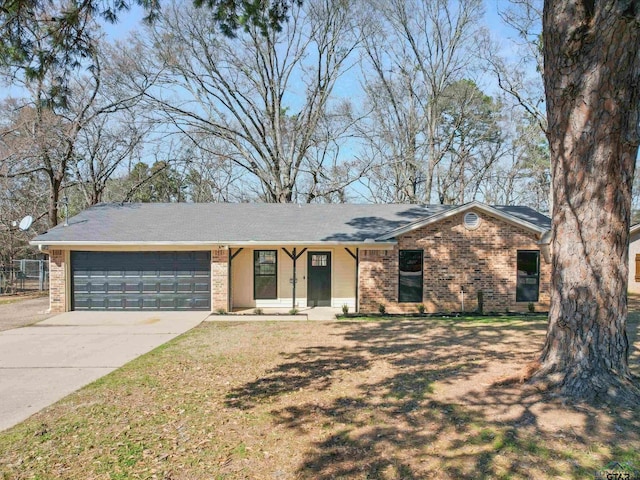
(24, 276)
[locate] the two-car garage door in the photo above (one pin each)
(141, 280)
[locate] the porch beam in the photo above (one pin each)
(295, 278)
(230, 278)
(356, 257)
(294, 256)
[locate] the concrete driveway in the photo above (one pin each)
(42, 363)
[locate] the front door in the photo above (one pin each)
(319, 279)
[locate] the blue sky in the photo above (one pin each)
(131, 21)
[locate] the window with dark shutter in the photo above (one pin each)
(528, 281)
(265, 274)
(410, 281)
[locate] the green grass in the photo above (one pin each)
(6, 301)
(451, 319)
(19, 298)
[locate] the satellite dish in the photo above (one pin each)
(25, 223)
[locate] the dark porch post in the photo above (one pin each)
(230, 279)
(229, 258)
(293, 305)
(294, 256)
(356, 257)
(357, 279)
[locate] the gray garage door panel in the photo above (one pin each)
(141, 280)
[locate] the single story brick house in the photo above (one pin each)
(235, 256)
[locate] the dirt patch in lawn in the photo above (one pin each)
(20, 311)
(303, 400)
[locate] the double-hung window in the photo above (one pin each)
(528, 281)
(410, 281)
(265, 274)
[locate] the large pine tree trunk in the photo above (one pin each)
(592, 75)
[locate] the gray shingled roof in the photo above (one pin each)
(527, 214)
(228, 223)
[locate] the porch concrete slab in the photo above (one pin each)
(279, 315)
(322, 313)
(235, 317)
(43, 363)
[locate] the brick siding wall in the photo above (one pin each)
(483, 259)
(219, 280)
(57, 281)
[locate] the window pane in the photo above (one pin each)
(410, 261)
(410, 289)
(528, 276)
(319, 260)
(265, 287)
(527, 293)
(410, 281)
(266, 256)
(265, 269)
(265, 279)
(528, 263)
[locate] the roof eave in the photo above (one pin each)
(217, 243)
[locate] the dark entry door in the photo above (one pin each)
(319, 279)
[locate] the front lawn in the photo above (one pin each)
(387, 399)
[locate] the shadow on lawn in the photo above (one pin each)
(393, 426)
(310, 368)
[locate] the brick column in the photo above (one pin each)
(378, 280)
(219, 280)
(57, 281)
